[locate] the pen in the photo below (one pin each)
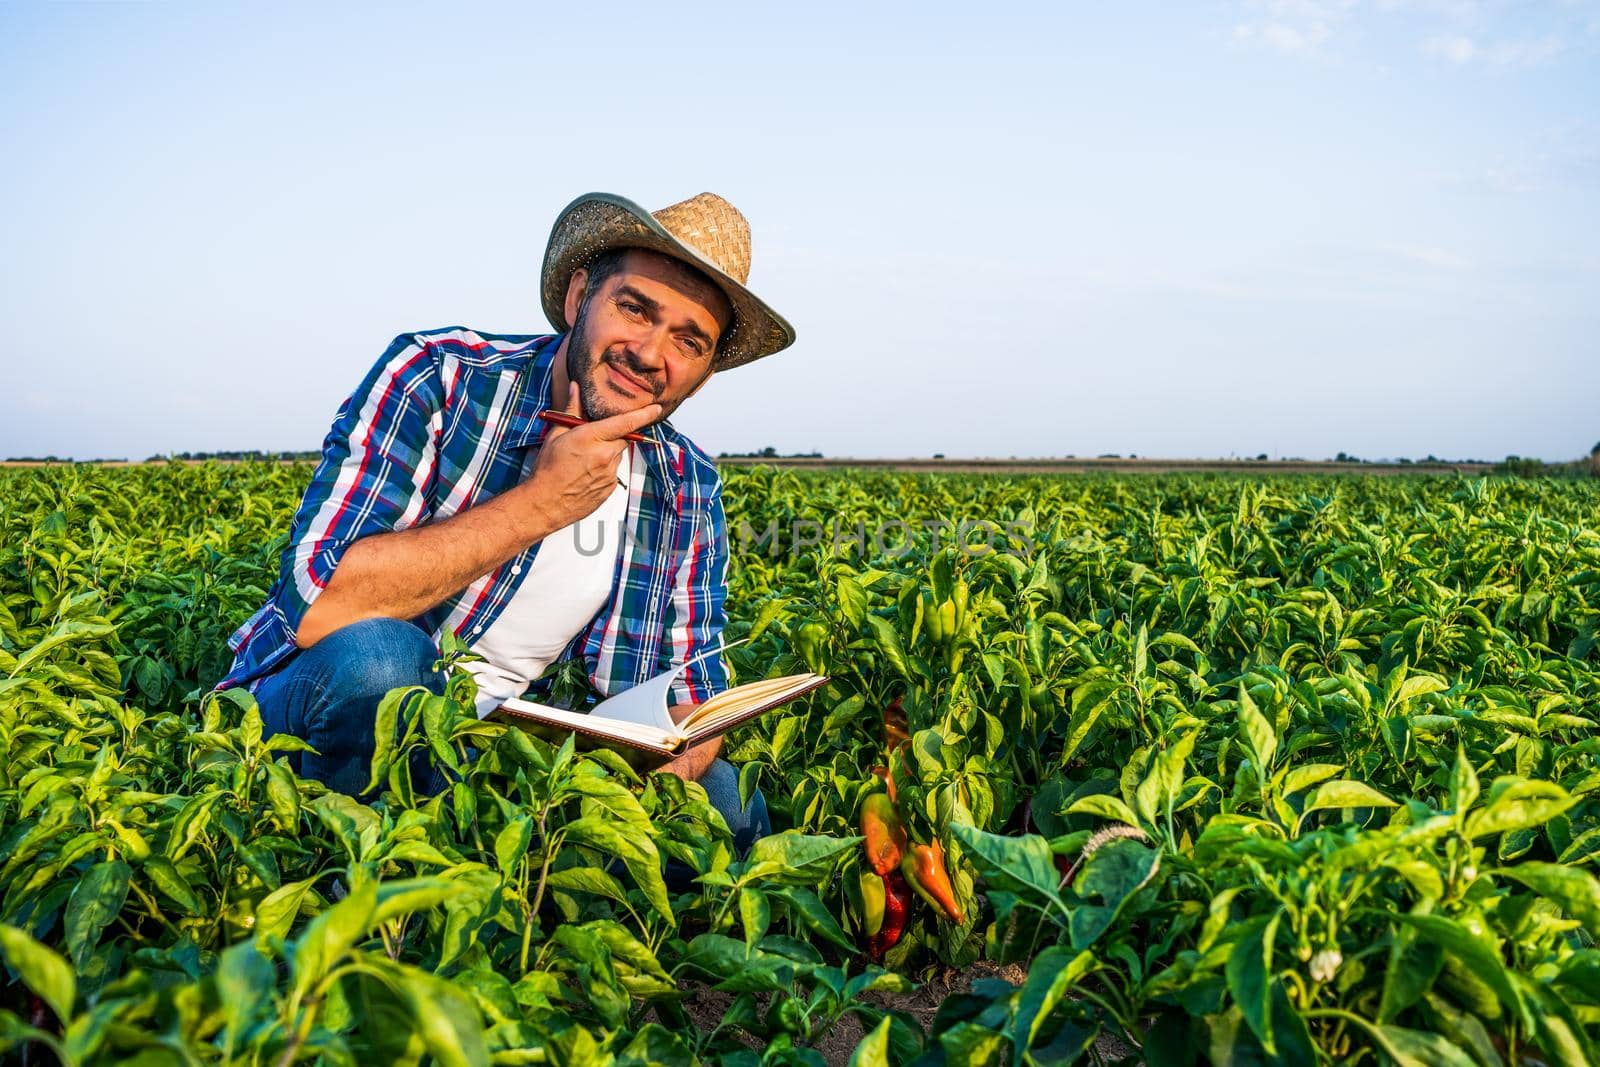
(561, 418)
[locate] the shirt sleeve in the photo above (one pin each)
(376, 463)
(698, 609)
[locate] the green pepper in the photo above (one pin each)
(874, 894)
(813, 641)
(931, 623)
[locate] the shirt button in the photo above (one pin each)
(516, 568)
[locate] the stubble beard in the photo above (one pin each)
(584, 366)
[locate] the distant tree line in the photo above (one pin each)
(64, 459)
(235, 456)
(769, 453)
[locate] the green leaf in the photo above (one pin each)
(888, 643)
(511, 843)
(1105, 806)
(802, 855)
(1308, 774)
(41, 970)
(766, 617)
(1089, 702)
(96, 900)
(386, 733)
(806, 908)
(165, 877)
(852, 600)
(283, 793)
(1160, 787)
(1346, 793)
(446, 1019)
(399, 898)
(1049, 977)
(1411, 1048)
(245, 981)
(874, 1048)
(586, 880)
(1249, 973)
(755, 914)
(277, 910)
(1481, 960)
(1113, 873)
(330, 935)
(1516, 804)
(1575, 890)
(1463, 783)
(1415, 686)
(631, 844)
(1017, 863)
(1258, 732)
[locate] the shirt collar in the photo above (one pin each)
(527, 430)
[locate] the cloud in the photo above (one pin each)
(1292, 27)
(1455, 49)
(1461, 50)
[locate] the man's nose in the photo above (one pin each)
(650, 351)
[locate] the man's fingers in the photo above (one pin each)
(613, 428)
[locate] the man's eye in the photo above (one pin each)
(630, 307)
(692, 346)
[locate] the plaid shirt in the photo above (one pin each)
(443, 422)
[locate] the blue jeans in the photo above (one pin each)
(328, 695)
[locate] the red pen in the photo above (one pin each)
(561, 418)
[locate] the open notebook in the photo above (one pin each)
(637, 723)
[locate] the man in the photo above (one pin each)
(443, 502)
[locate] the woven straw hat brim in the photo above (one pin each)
(596, 222)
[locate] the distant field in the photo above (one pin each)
(1110, 466)
(982, 465)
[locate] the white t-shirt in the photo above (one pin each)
(567, 584)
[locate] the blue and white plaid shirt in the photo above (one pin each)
(446, 420)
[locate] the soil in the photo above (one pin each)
(706, 1006)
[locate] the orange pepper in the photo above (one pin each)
(924, 868)
(886, 837)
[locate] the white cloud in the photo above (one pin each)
(1461, 50)
(1455, 49)
(1292, 27)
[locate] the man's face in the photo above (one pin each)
(645, 335)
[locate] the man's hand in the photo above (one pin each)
(694, 763)
(403, 573)
(577, 467)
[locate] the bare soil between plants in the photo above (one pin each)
(706, 1006)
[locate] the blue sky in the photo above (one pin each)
(1006, 229)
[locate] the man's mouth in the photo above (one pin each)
(627, 383)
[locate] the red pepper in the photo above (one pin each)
(895, 727)
(924, 868)
(886, 837)
(896, 906)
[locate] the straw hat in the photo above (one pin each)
(704, 231)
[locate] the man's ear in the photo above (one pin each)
(576, 286)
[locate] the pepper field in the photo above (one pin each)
(1224, 770)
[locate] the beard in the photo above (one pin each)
(585, 365)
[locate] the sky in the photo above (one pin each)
(1293, 227)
